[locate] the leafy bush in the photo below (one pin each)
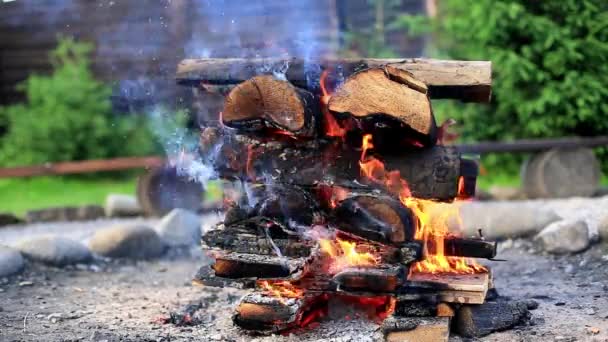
(550, 61)
(67, 116)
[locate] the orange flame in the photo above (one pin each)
(332, 128)
(344, 254)
(280, 289)
(432, 226)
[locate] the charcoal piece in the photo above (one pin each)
(235, 214)
(410, 252)
(470, 248)
(287, 204)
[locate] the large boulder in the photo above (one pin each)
(9, 218)
(11, 261)
(180, 228)
(54, 250)
(500, 220)
(121, 205)
(566, 236)
(127, 241)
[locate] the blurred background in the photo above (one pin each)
(86, 79)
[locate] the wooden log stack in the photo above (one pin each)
(327, 153)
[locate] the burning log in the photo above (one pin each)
(450, 288)
(470, 248)
(482, 320)
(465, 80)
(378, 218)
(389, 103)
(370, 279)
(267, 102)
(432, 173)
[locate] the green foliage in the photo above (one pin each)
(67, 116)
(550, 63)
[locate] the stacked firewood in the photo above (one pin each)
(327, 155)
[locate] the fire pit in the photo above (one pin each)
(345, 176)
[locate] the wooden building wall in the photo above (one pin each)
(139, 42)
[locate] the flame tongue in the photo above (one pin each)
(332, 128)
(432, 226)
(344, 254)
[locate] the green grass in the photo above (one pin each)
(512, 180)
(17, 195)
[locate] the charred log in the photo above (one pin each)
(471, 248)
(387, 102)
(377, 218)
(264, 313)
(482, 320)
(266, 102)
(415, 308)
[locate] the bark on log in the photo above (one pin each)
(264, 102)
(482, 320)
(432, 173)
(466, 80)
(389, 98)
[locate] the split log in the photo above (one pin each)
(470, 248)
(240, 265)
(419, 329)
(449, 288)
(374, 217)
(370, 279)
(205, 276)
(266, 102)
(432, 173)
(465, 80)
(482, 320)
(387, 102)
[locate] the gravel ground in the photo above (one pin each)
(123, 300)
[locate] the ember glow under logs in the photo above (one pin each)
(345, 180)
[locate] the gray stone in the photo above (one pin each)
(83, 213)
(127, 241)
(500, 220)
(11, 261)
(566, 236)
(603, 227)
(180, 228)
(8, 218)
(122, 205)
(54, 250)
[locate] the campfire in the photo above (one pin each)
(344, 181)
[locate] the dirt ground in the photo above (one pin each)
(123, 300)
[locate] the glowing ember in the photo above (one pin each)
(432, 226)
(332, 128)
(344, 254)
(280, 289)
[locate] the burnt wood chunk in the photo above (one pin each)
(205, 276)
(418, 329)
(240, 265)
(376, 97)
(369, 279)
(410, 252)
(378, 218)
(466, 80)
(415, 308)
(267, 102)
(287, 204)
(482, 320)
(470, 248)
(264, 313)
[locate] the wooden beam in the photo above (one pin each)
(469, 81)
(86, 166)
